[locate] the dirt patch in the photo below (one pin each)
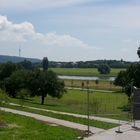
(6, 125)
(12, 126)
(3, 124)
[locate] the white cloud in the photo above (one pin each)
(15, 32)
(25, 32)
(53, 39)
(107, 26)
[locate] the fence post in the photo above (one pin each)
(119, 127)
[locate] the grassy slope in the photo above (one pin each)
(75, 101)
(83, 71)
(30, 129)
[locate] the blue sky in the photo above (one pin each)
(70, 30)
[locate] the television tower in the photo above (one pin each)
(19, 52)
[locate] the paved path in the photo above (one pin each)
(129, 133)
(75, 115)
(53, 120)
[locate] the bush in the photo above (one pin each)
(3, 97)
(22, 95)
(104, 69)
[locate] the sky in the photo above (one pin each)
(70, 30)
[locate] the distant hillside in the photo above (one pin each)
(16, 59)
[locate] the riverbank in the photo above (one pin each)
(93, 84)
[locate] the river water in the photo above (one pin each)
(87, 78)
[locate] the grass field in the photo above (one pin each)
(102, 85)
(24, 128)
(84, 71)
(75, 101)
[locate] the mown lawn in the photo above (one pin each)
(25, 128)
(84, 71)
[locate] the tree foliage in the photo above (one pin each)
(91, 64)
(46, 83)
(104, 69)
(6, 69)
(15, 82)
(138, 52)
(3, 97)
(45, 63)
(39, 83)
(121, 79)
(26, 64)
(130, 77)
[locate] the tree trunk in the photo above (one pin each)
(13, 95)
(42, 99)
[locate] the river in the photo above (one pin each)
(87, 78)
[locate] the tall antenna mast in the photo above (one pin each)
(19, 51)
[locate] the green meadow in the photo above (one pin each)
(16, 127)
(75, 101)
(84, 71)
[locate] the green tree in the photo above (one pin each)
(45, 63)
(96, 82)
(129, 78)
(15, 82)
(43, 83)
(104, 69)
(23, 94)
(6, 69)
(121, 79)
(82, 85)
(138, 52)
(26, 64)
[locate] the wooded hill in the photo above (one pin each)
(16, 59)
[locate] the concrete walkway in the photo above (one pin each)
(75, 115)
(129, 133)
(53, 120)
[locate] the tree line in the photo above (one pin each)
(129, 77)
(86, 64)
(91, 64)
(79, 64)
(16, 77)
